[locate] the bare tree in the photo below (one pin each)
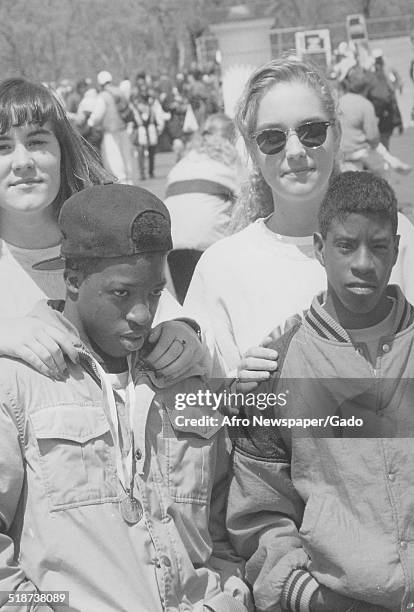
(51, 39)
(366, 8)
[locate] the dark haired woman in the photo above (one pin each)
(43, 160)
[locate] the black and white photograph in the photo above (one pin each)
(207, 305)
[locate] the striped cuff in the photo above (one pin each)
(298, 591)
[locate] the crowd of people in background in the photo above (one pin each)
(129, 122)
(151, 112)
(368, 111)
(104, 493)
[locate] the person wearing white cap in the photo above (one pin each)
(104, 77)
(116, 147)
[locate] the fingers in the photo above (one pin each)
(260, 353)
(279, 331)
(59, 344)
(176, 369)
(52, 345)
(170, 356)
(249, 380)
(44, 347)
(158, 343)
(155, 334)
(176, 351)
(68, 345)
(32, 358)
(256, 369)
(256, 366)
(244, 387)
(249, 375)
(274, 335)
(291, 321)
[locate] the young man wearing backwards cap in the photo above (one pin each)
(106, 501)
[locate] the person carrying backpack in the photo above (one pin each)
(146, 130)
(381, 93)
(109, 114)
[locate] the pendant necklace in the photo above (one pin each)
(131, 507)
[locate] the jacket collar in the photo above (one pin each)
(327, 327)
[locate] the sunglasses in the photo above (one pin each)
(273, 140)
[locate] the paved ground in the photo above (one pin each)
(163, 163)
(402, 146)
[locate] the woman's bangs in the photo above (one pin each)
(18, 108)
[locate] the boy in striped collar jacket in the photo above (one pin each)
(321, 502)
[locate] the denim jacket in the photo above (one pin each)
(60, 522)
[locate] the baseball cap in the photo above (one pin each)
(104, 77)
(107, 221)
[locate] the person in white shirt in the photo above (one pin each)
(247, 285)
(202, 189)
(116, 148)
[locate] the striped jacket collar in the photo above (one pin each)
(327, 327)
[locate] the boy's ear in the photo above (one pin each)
(73, 280)
(318, 247)
(396, 247)
(337, 131)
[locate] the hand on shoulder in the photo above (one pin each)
(39, 344)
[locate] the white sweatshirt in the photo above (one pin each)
(249, 283)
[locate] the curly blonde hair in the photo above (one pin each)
(256, 198)
(216, 140)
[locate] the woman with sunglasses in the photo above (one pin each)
(250, 283)
(43, 161)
